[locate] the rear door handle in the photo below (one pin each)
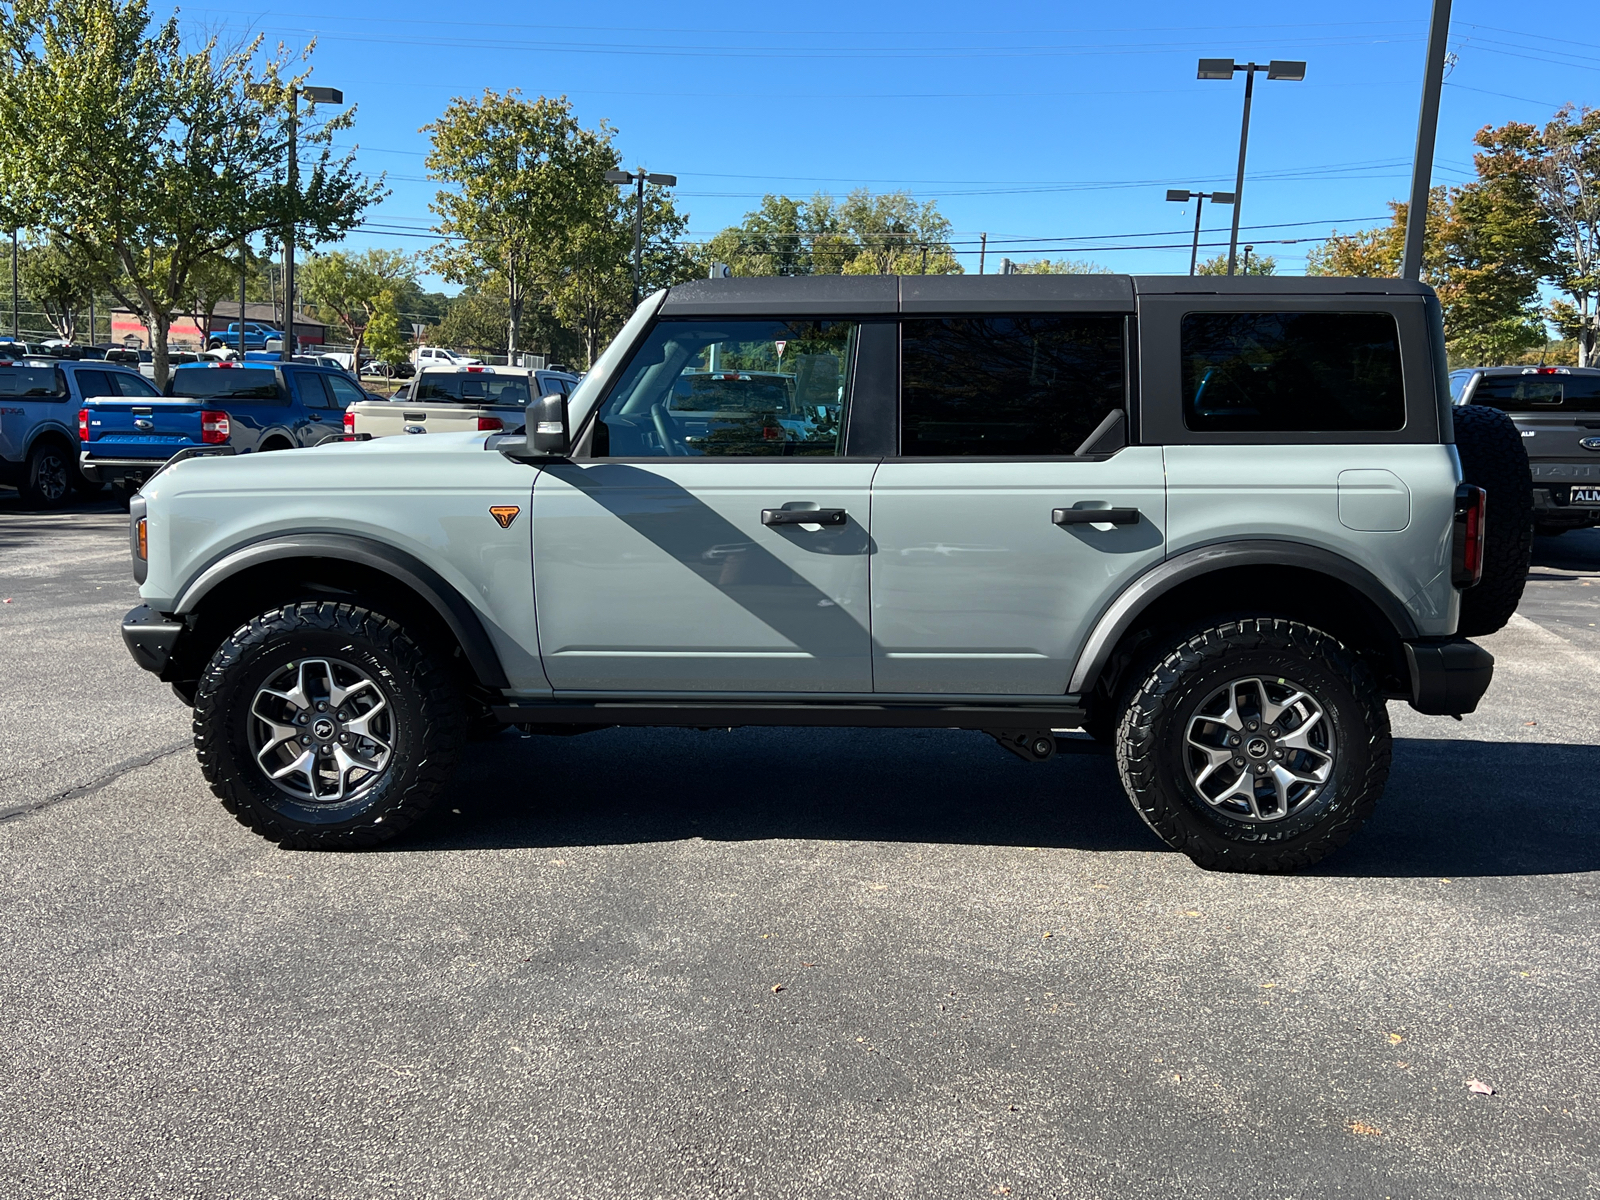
(1095, 516)
(803, 516)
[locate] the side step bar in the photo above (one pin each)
(721, 714)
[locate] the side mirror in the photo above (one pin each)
(546, 428)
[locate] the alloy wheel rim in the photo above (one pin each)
(52, 477)
(1259, 750)
(322, 731)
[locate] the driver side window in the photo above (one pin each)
(762, 388)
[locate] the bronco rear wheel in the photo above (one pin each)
(1255, 745)
(325, 725)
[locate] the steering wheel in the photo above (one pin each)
(670, 444)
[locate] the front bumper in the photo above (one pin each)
(150, 637)
(1448, 677)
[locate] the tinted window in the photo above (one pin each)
(344, 392)
(95, 383)
(1011, 386)
(32, 381)
(136, 386)
(226, 383)
(1292, 372)
(473, 388)
(313, 390)
(769, 388)
(1539, 393)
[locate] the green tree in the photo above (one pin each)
(522, 179)
(382, 330)
(350, 287)
(864, 234)
(1061, 266)
(1259, 264)
(146, 158)
(58, 280)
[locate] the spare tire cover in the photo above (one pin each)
(1492, 458)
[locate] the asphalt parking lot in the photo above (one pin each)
(784, 963)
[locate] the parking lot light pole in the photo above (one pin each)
(1183, 196)
(1427, 131)
(317, 95)
(16, 313)
(639, 179)
(1224, 68)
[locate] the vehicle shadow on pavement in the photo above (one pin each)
(1452, 808)
(620, 786)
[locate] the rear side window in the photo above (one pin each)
(1020, 386)
(473, 388)
(1534, 393)
(313, 390)
(226, 383)
(44, 383)
(95, 383)
(344, 392)
(136, 386)
(1292, 372)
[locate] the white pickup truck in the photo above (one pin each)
(457, 400)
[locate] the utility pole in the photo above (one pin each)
(16, 311)
(1183, 196)
(244, 271)
(983, 250)
(1427, 132)
(639, 178)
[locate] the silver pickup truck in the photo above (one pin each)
(1217, 524)
(465, 399)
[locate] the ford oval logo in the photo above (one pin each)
(1590, 443)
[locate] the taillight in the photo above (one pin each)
(490, 423)
(349, 422)
(83, 424)
(1466, 546)
(213, 427)
(143, 534)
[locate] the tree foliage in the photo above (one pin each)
(147, 158)
(57, 279)
(864, 234)
(1059, 266)
(351, 288)
(1259, 264)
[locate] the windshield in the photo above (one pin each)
(473, 388)
(226, 383)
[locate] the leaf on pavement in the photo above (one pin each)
(1480, 1087)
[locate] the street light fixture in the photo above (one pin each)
(639, 178)
(316, 95)
(1183, 196)
(1224, 68)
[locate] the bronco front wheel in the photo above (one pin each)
(323, 725)
(1256, 745)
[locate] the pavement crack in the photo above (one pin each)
(107, 777)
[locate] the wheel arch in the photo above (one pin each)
(1315, 582)
(51, 430)
(345, 562)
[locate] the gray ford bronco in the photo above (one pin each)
(1215, 523)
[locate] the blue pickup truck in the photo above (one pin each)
(40, 399)
(242, 408)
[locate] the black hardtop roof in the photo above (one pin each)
(867, 295)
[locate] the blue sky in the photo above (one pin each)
(1054, 128)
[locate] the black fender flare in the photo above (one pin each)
(1123, 612)
(461, 618)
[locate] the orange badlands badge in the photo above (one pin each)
(504, 513)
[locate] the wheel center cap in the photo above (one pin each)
(323, 729)
(1255, 748)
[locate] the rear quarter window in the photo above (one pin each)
(1291, 372)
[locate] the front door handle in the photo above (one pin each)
(803, 516)
(1095, 516)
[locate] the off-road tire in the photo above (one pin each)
(428, 733)
(1150, 739)
(47, 476)
(1492, 458)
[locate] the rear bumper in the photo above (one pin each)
(1448, 677)
(150, 637)
(112, 470)
(1550, 507)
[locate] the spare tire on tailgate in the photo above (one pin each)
(1492, 458)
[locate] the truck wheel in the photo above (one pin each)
(47, 477)
(1492, 458)
(325, 726)
(1259, 744)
